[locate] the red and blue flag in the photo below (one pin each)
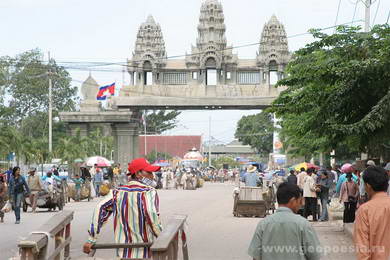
(106, 91)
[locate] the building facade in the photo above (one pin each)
(211, 69)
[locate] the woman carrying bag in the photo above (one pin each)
(18, 189)
(349, 194)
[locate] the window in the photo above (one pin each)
(194, 75)
(248, 77)
(174, 78)
(228, 75)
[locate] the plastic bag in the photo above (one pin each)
(7, 208)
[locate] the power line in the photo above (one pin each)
(376, 12)
(354, 12)
(337, 14)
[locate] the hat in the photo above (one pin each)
(370, 163)
(141, 164)
(32, 169)
(387, 167)
(251, 168)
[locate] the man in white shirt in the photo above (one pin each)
(301, 177)
(310, 195)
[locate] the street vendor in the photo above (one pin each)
(135, 208)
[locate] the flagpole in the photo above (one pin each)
(144, 121)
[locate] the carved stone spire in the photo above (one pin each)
(211, 28)
(273, 44)
(211, 40)
(149, 45)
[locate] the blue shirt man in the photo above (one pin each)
(251, 178)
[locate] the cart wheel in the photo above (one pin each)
(25, 206)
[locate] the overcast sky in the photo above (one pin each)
(101, 30)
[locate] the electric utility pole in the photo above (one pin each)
(50, 109)
(209, 141)
(367, 15)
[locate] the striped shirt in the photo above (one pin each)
(135, 209)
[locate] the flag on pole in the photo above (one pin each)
(106, 91)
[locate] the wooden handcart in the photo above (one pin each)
(253, 202)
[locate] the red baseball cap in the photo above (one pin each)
(141, 164)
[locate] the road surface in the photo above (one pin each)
(213, 232)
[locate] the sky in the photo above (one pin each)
(105, 31)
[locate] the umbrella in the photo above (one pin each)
(306, 166)
(78, 160)
(100, 161)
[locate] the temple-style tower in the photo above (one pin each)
(211, 55)
(149, 52)
(273, 54)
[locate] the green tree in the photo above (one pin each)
(24, 80)
(338, 93)
(256, 131)
(220, 161)
(154, 156)
(159, 121)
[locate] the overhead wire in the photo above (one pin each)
(337, 14)
(376, 12)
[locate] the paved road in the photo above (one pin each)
(213, 232)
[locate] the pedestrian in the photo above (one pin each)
(78, 182)
(292, 178)
(345, 169)
(18, 188)
(387, 169)
(250, 177)
(8, 174)
(35, 185)
(372, 226)
(3, 196)
(324, 185)
(85, 174)
(301, 177)
(110, 174)
(135, 208)
(97, 181)
(310, 195)
(348, 195)
(284, 234)
(363, 195)
(92, 171)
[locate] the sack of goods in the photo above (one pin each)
(7, 207)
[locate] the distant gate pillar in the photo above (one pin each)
(126, 142)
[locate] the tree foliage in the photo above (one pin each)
(155, 156)
(159, 121)
(338, 93)
(256, 131)
(220, 161)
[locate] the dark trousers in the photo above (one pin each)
(310, 208)
(349, 212)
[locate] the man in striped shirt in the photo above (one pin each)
(135, 209)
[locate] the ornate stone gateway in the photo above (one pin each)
(211, 77)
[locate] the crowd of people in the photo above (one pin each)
(278, 235)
